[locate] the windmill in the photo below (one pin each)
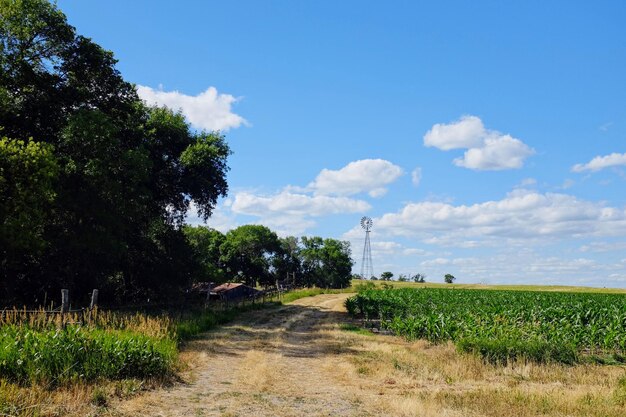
(367, 269)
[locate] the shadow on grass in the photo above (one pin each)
(291, 330)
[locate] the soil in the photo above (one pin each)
(275, 362)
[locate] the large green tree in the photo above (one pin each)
(287, 261)
(248, 252)
(206, 243)
(326, 262)
(125, 174)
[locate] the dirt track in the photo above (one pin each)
(297, 361)
(278, 362)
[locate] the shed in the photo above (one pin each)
(233, 291)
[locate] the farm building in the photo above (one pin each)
(233, 291)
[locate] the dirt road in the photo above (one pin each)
(298, 360)
(279, 362)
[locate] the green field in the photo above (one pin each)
(504, 325)
(558, 288)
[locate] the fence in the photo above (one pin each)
(64, 314)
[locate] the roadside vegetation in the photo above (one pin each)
(114, 353)
(504, 325)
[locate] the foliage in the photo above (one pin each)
(420, 278)
(503, 325)
(386, 276)
(326, 263)
(449, 278)
(206, 244)
(111, 179)
(28, 170)
(35, 349)
(58, 356)
(247, 253)
(403, 278)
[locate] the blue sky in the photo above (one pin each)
(486, 139)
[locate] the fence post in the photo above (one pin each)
(94, 299)
(65, 305)
(93, 305)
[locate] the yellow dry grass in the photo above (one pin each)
(298, 361)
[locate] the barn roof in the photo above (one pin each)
(227, 287)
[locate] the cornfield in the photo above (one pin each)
(45, 349)
(504, 325)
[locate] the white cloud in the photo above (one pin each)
(221, 219)
(208, 110)
(601, 162)
(436, 262)
(467, 132)
(366, 175)
(292, 213)
(523, 215)
(487, 150)
(416, 176)
(595, 247)
(497, 153)
(296, 204)
(527, 182)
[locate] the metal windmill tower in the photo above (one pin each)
(367, 269)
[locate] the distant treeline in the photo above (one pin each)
(95, 184)
(255, 255)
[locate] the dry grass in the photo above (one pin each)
(558, 288)
(305, 360)
(419, 379)
(309, 362)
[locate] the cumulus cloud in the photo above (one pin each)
(366, 175)
(208, 110)
(498, 152)
(486, 149)
(292, 213)
(601, 162)
(296, 204)
(416, 176)
(221, 219)
(522, 215)
(467, 132)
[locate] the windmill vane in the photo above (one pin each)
(367, 269)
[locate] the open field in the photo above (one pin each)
(47, 369)
(504, 325)
(557, 288)
(308, 358)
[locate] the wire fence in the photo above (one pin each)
(64, 314)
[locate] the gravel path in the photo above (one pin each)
(275, 362)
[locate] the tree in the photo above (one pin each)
(287, 263)
(248, 252)
(402, 278)
(420, 278)
(449, 278)
(28, 170)
(126, 174)
(206, 243)
(386, 276)
(326, 262)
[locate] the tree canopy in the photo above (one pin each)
(94, 184)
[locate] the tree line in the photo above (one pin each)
(255, 255)
(95, 185)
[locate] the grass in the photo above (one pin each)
(541, 288)
(46, 366)
(503, 325)
(290, 296)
